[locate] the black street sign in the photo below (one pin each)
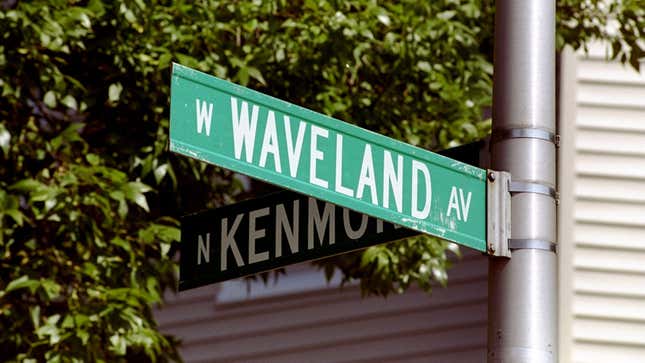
(274, 231)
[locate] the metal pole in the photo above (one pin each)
(522, 305)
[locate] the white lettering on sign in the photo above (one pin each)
(290, 230)
(338, 185)
(316, 155)
(392, 180)
(255, 233)
(355, 183)
(228, 241)
(465, 206)
(270, 143)
(294, 151)
(455, 202)
(243, 131)
(423, 168)
(268, 233)
(204, 116)
(351, 233)
(203, 250)
(366, 177)
(327, 219)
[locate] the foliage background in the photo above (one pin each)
(89, 194)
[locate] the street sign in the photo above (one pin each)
(274, 231)
(211, 253)
(283, 144)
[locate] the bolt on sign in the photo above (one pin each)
(251, 133)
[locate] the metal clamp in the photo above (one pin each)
(526, 133)
(498, 209)
(531, 244)
(531, 187)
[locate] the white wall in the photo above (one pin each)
(602, 226)
(321, 323)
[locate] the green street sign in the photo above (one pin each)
(284, 144)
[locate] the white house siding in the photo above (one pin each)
(603, 229)
(326, 324)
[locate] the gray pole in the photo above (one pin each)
(522, 305)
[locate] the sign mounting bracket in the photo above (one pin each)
(498, 213)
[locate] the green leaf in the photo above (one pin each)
(93, 159)
(22, 283)
(255, 74)
(243, 76)
(454, 248)
(5, 139)
(160, 172)
(384, 19)
(165, 248)
(119, 196)
(134, 192)
(68, 136)
(118, 344)
(9, 205)
(70, 102)
(114, 92)
(164, 60)
(162, 232)
(123, 243)
(27, 185)
(369, 255)
(50, 99)
(34, 312)
(424, 66)
(52, 289)
(84, 335)
(16, 215)
(446, 15)
(50, 329)
(68, 322)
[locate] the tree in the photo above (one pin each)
(89, 194)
